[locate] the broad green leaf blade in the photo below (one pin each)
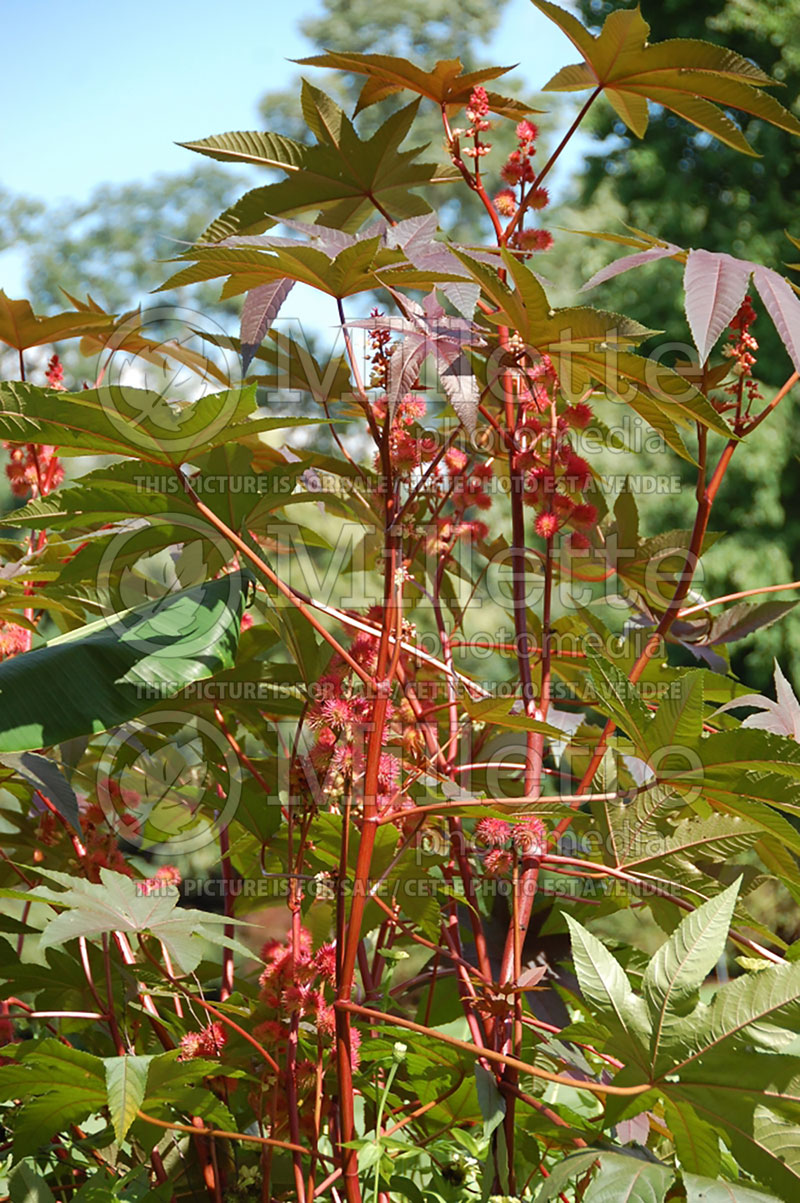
(115, 904)
(687, 76)
(27, 1185)
(754, 1101)
(696, 1142)
(46, 777)
(619, 699)
(620, 1176)
(716, 1190)
(679, 968)
(133, 422)
(102, 675)
(605, 986)
(761, 1008)
(343, 176)
(490, 1100)
(126, 1082)
(252, 146)
(678, 722)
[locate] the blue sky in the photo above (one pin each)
(96, 93)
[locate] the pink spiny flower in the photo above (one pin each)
(506, 203)
(533, 240)
(527, 131)
(529, 836)
(584, 515)
(325, 962)
(579, 416)
(492, 832)
(207, 1043)
(538, 198)
(546, 525)
(497, 862)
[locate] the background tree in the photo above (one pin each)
(679, 184)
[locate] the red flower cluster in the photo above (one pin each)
(555, 475)
(54, 374)
(528, 837)
(13, 640)
(207, 1043)
(518, 172)
(477, 113)
(32, 468)
(167, 875)
(741, 348)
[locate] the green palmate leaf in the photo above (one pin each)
(755, 1110)
(682, 964)
(102, 675)
(689, 77)
(343, 177)
(622, 1175)
(58, 1086)
(757, 1009)
(124, 334)
(447, 84)
(640, 845)
(357, 268)
(48, 781)
(605, 986)
(696, 1142)
(21, 328)
(126, 1082)
(116, 904)
(138, 423)
(619, 1178)
(710, 1190)
(116, 493)
(678, 722)
(619, 699)
(27, 1185)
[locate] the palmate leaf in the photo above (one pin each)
(679, 968)
(138, 423)
(755, 1109)
(624, 1174)
(125, 334)
(589, 346)
(688, 77)
(715, 285)
(710, 1190)
(58, 1085)
(126, 1082)
(696, 1142)
(115, 904)
(447, 85)
(605, 986)
(21, 328)
(107, 673)
(342, 176)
